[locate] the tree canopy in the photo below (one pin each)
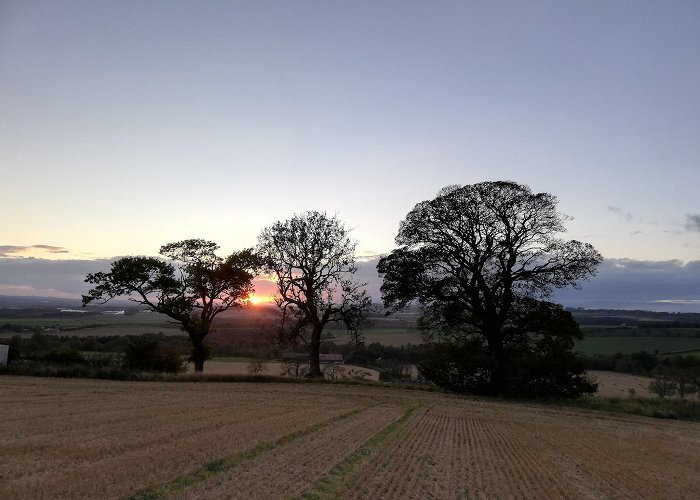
(481, 260)
(311, 258)
(192, 288)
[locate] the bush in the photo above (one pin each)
(257, 366)
(295, 369)
(64, 356)
(151, 357)
(550, 370)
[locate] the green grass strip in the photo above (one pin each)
(327, 485)
(225, 464)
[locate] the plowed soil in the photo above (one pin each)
(103, 439)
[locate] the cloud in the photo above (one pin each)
(669, 285)
(30, 291)
(692, 223)
(17, 250)
(46, 277)
(618, 211)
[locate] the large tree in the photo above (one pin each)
(481, 260)
(312, 259)
(193, 287)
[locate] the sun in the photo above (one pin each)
(256, 300)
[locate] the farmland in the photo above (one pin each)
(89, 439)
(629, 345)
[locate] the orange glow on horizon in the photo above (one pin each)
(256, 300)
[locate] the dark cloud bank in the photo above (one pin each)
(620, 283)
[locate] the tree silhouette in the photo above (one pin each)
(311, 258)
(479, 258)
(195, 287)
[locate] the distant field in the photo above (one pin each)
(613, 384)
(387, 336)
(629, 345)
(95, 325)
(103, 439)
(633, 331)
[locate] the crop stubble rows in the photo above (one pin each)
(79, 438)
(78, 443)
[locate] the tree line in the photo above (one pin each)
(480, 260)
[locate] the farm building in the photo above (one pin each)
(331, 358)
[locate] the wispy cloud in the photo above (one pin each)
(618, 211)
(692, 223)
(18, 250)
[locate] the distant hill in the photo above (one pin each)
(582, 316)
(632, 317)
(22, 302)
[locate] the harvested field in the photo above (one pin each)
(614, 384)
(105, 439)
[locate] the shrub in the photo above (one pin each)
(64, 356)
(257, 366)
(295, 369)
(550, 370)
(151, 357)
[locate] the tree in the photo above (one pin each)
(194, 288)
(663, 384)
(481, 260)
(312, 259)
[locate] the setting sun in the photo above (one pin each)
(257, 300)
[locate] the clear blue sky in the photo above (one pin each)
(125, 125)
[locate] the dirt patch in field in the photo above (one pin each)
(103, 439)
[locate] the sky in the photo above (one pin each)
(127, 125)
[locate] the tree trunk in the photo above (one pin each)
(199, 354)
(497, 361)
(314, 351)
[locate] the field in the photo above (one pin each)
(630, 345)
(395, 337)
(96, 325)
(103, 439)
(613, 384)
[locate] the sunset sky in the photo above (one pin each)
(126, 125)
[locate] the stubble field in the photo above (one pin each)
(105, 439)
